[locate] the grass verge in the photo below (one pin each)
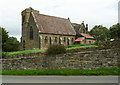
(96, 72)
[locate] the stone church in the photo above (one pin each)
(40, 31)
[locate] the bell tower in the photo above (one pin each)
(26, 14)
(25, 20)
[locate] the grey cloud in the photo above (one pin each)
(93, 12)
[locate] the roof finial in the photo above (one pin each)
(30, 7)
(83, 22)
(68, 18)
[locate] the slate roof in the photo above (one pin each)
(76, 27)
(54, 25)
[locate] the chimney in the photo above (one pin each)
(68, 18)
(86, 28)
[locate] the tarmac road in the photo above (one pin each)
(59, 79)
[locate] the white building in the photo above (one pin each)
(119, 12)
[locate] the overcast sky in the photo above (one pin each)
(92, 12)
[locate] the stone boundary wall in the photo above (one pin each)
(77, 60)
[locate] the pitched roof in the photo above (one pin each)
(79, 39)
(54, 25)
(87, 36)
(76, 27)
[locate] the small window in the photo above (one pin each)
(68, 42)
(50, 41)
(64, 40)
(89, 42)
(31, 33)
(39, 42)
(59, 40)
(46, 39)
(72, 40)
(23, 44)
(80, 42)
(23, 19)
(55, 39)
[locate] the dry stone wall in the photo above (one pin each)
(77, 60)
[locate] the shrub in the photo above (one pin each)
(4, 54)
(55, 49)
(109, 44)
(116, 43)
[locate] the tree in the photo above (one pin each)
(100, 33)
(4, 37)
(9, 43)
(115, 31)
(0, 41)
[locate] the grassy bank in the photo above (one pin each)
(81, 46)
(25, 52)
(43, 50)
(101, 71)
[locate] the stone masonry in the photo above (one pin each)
(77, 60)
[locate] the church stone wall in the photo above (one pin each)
(73, 60)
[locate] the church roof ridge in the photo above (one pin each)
(52, 24)
(51, 16)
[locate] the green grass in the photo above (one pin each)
(25, 52)
(100, 71)
(81, 46)
(43, 50)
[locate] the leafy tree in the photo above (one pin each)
(8, 43)
(115, 31)
(100, 33)
(11, 44)
(4, 37)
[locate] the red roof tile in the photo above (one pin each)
(87, 36)
(55, 25)
(79, 39)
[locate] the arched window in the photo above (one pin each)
(50, 41)
(89, 42)
(68, 41)
(72, 40)
(46, 39)
(64, 40)
(23, 19)
(23, 44)
(55, 39)
(59, 40)
(39, 42)
(31, 33)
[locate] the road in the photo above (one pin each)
(60, 79)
